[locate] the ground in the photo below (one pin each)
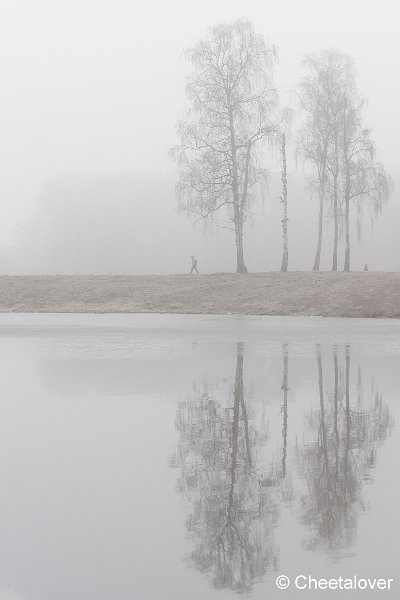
(370, 294)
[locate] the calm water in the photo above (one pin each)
(194, 457)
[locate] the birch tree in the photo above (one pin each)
(349, 427)
(222, 476)
(333, 141)
(314, 137)
(365, 181)
(340, 80)
(321, 97)
(232, 112)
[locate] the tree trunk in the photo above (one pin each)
(238, 213)
(324, 436)
(347, 236)
(347, 219)
(235, 430)
(336, 234)
(319, 243)
(240, 266)
(347, 193)
(240, 392)
(335, 206)
(285, 389)
(321, 209)
(285, 254)
(348, 425)
(336, 416)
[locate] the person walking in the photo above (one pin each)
(194, 266)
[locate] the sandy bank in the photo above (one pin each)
(372, 294)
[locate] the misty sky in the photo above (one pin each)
(95, 87)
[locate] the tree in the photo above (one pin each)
(314, 137)
(339, 75)
(232, 113)
(333, 141)
(364, 179)
(233, 510)
(235, 474)
(348, 428)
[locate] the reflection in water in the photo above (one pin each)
(285, 482)
(336, 463)
(234, 486)
(233, 505)
(285, 407)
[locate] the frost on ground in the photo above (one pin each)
(298, 293)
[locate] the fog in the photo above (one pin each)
(91, 93)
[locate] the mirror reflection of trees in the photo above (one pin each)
(234, 505)
(235, 479)
(285, 480)
(347, 430)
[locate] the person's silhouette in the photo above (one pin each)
(194, 266)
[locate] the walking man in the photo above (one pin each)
(194, 266)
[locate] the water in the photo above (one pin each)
(173, 457)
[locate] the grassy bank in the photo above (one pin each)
(298, 293)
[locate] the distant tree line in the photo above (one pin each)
(234, 114)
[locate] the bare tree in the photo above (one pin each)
(314, 136)
(348, 429)
(233, 104)
(365, 181)
(224, 477)
(340, 151)
(339, 74)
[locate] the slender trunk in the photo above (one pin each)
(237, 205)
(336, 399)
(348, 424)
(324, 436)
(335, 205)
(347, 235)
(285, 255)
(234, 453)
(240, 266)
(346, 195)
(336, 232)
(317, 259)
(319, 242)
(239, 393)
(285, 389)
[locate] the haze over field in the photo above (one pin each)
(91, 93)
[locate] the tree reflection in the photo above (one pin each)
(234, 505)
(234, 485)
(335, 465)
(285, 388)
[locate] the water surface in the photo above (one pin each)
(174, 457)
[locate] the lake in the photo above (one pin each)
(182, 457)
